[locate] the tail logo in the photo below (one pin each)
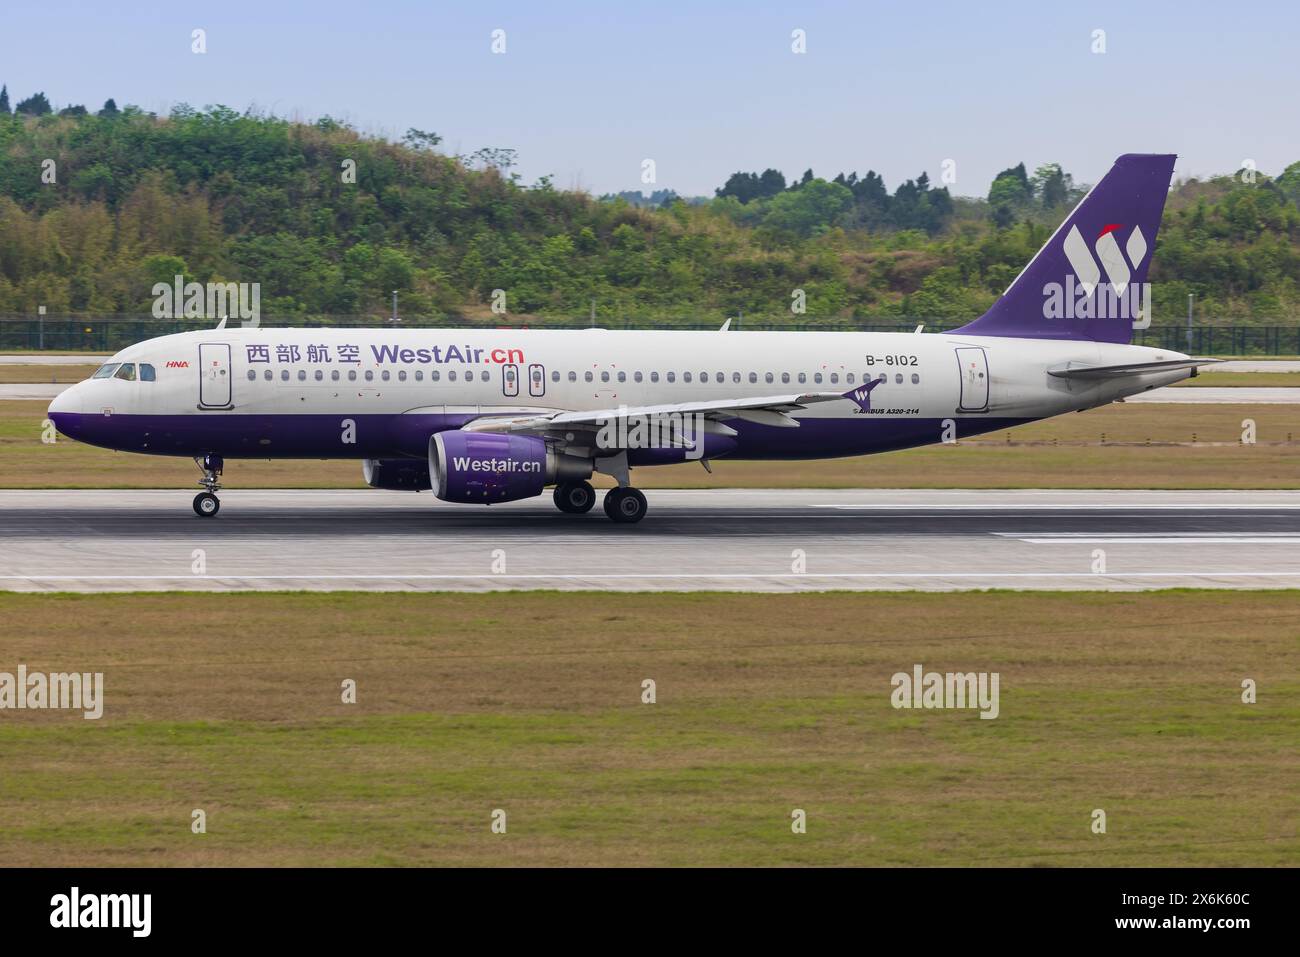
(1118, 271)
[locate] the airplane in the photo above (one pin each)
(488, 416)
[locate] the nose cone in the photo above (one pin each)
(69, 400)
(65, 411)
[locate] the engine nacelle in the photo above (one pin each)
(490, 467)
(406, 475)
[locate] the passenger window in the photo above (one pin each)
(848, 377)
(370, 375)
(302, 375)
(672, 377)
(686, 377)
(803, 377)
(915, 378)
(320, 374)
(654, 377)
(573, 377)
(785, 377)
(753, 377)
(587, 375)
(146, 373)
(252, 374)
(105, 371)
(768, 378)
(284, 375)
(898, 379)
(735, 377)
(484, 375)
(268, 375)
(419, 375)
(604, 377)
(352, 375)
(125, 371)
(385, 375)
(817, 377)
(451, 375)
(555, 377)
(835, 377)
(334, 374)
(401, 375)
(622, 377)
(636, 376)
(434, 375)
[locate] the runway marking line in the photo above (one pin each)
(577, 576)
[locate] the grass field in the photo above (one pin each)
(1191, 446)
(44, 373)
(765, 703)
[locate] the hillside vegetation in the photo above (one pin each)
(221, 196)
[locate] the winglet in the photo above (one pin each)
(861, 395)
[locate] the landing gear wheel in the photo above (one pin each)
(206, 505)
(575, 498)
(625, 505)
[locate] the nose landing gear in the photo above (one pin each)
(206, 504)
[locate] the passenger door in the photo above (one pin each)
(214, 375)
(974, 365)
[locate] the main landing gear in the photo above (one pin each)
(574, 497)
(206, 504)
(623, 504)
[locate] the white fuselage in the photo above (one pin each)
(262, 392)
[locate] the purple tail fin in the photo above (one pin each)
(1090, 280)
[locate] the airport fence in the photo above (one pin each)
(106, 334)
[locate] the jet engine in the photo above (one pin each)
(490, 467)
(407, 475)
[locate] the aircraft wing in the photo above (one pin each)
(767, 410)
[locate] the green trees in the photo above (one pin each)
(330, 222)
(34, 105)
(750, 186)
(809, 210)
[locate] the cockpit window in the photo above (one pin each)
(146, 373)
(125, 371)
(105, 371)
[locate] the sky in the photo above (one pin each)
(586, 92)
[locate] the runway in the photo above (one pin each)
(1221, 395)
(730, 539)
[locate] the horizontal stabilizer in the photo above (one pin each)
(1078, 370)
